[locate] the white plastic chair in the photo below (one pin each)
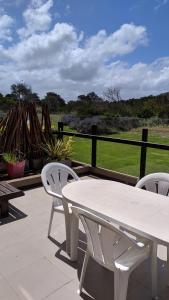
(157, 183)
(112, 249)
(54, 177)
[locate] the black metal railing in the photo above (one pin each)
(143, 144)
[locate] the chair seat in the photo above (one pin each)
(131, 258)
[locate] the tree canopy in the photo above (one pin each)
(56, 102)
(91, 104)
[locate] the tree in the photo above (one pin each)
(112, 94)
(6, 103)
(94, 97)
(146, 113)
(90, 97)
(90, 104)
(34, 98)
(21, 91)
(56, 102)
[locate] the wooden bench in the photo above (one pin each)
(7, 192)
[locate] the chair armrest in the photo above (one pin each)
(139, 240)
(54, 195)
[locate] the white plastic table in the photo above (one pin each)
(140, 211)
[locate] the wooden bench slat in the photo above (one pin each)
(7, 192)
(8, 186)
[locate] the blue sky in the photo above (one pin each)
(73, 47)
(93, 15)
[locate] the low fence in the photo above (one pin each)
(143, 144)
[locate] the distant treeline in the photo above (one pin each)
(91, 104)
(145, 107)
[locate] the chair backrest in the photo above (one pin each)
(55, 176)
(156, 182)
(104, 241)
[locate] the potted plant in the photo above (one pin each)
(15, 162)
(58, 150)
(36, 158)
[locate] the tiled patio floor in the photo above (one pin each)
(32, 267)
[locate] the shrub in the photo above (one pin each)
(85, 125)
(124, 123)
(105, 124)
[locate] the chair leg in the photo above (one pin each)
(120, 285)
(154, 271)
(67, 225)
(116, 284)
(68, 230)
(71, 224)
(86, 259)
(50, 222)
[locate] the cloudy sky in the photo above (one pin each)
(73, 47)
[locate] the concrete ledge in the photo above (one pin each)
(81, 169)
(112, 175)
(35, 180)
(26, 182)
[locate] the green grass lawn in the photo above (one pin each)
(125, 158)
(120, 157)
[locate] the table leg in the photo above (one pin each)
(4, 209)
(74, 237)
(154, 271)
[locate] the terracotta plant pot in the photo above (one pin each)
(16, 170)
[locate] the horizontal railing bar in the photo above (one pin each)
(115, 140)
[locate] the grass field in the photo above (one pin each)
(125, 158)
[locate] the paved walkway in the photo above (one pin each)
(32, 267)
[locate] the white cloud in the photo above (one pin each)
(139, 79)
(160, 3)
(99, 49)
(5, 27)
(135, 81)
(37, 18)
(63, 61)
(44, 50)
(122, 41)
(62, 44)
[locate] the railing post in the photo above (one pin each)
(94, 146)
(143, 153)
(60, 129)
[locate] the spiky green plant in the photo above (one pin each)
(13, 157)
(58, 149)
